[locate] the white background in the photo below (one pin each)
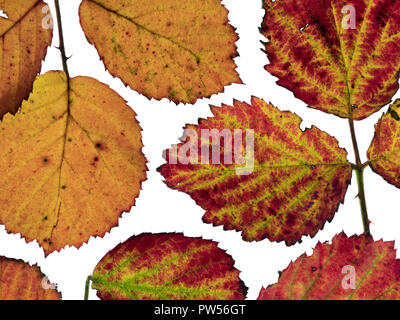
(160, 209)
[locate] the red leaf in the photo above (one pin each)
(298, 180)
(334, 66)
(355, 268)
(167, 267)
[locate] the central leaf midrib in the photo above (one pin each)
(153, 289)
(67, 122)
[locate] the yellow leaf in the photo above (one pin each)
(182, 50)
(69, 169)
(24, 38)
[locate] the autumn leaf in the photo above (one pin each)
(296, 184)
(355, 268)
(23, 45)
(20, 281)
(167, 267)
(181, 50)
(384, 152)
(341, 57)
(71, 162)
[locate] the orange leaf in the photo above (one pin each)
(168, 267)
(20, 281)
(181, 50)
(338, 56)
(23, 44)
(293, 183)
(69, 169)
(384, 151)
(355, 268)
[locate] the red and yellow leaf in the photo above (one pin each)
(181, 50)
(296, 184)
(20, 281)
(167, 267)
(384, 151)
(315, 52)
(71, 162)
(355, 268)
(23, 45)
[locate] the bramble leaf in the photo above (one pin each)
(341, 57)
(167, 267)
(69, 169)
(20, 281)
(23, 46)
(355, 268)
(384, 151)
(181, 50)
(293, 183)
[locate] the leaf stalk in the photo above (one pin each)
(87, 287)
(61, 36)
(359, 169)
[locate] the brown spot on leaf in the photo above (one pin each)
(99, 146)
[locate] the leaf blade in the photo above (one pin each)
(22, 49)
(167, 267)
(321, 275)
(329, 67)
(298, 180)
(384, 150)
(20, 281)
(164, 50)
(73, 177)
